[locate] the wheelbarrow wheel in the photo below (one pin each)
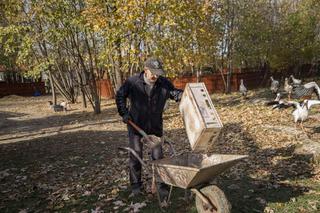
(216, 197)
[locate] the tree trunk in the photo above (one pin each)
(265, 70)
(113, 80)
(197, 74)
(97, 108)
(118, 63)
(84, 100)
(83, 94)
(228, 88)
(54, 97)
(95, 96)
(229, 42)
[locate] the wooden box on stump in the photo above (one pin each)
(201, 120)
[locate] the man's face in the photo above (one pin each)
(151, 77)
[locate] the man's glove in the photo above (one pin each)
(126, 117)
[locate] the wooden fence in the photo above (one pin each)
(105, 88)
(29, 89)
(252, 79)
(23, 89)
(213, 82)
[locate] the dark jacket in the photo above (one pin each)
(146, 111)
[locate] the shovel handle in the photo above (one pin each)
(141, 132)
(137, 128)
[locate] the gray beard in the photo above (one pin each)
(149, 85)
(148, 82)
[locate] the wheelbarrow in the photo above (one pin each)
(192, 171)
(195, 172)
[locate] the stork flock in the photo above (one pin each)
(298, 90)
(292, 88)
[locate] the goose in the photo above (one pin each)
(295, 81)
(274, 85)
(242, 89)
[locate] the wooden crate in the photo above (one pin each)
(201, 120)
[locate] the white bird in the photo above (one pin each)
(274, 85)
(56, 108)
(242, 89)
(301, 112)
(287, 88)
(310, 103)
(277, 99)
(65, 105)
(313, 86)
(295, 81)
(277, 102)
(306, 90)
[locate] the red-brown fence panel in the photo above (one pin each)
(215, 82)
(105, 88)
(23, 89)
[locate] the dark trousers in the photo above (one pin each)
(134, 165)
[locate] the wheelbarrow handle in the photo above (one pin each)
(134, 154)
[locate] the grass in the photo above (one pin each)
(306, 202)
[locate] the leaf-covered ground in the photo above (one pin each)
(69, 162)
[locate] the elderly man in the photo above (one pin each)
(147, 93)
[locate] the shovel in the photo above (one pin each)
(152, 140)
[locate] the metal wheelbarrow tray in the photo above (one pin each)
(190, 169)
(195, 171)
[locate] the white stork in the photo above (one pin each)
(242, 89)
(301, 111)
(58, 108)
(287, 88)
(275, 102)
(274, 85)
(295, 81)
(306, 89)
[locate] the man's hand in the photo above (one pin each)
(126, 117)
(180, 96)
(176, 94)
